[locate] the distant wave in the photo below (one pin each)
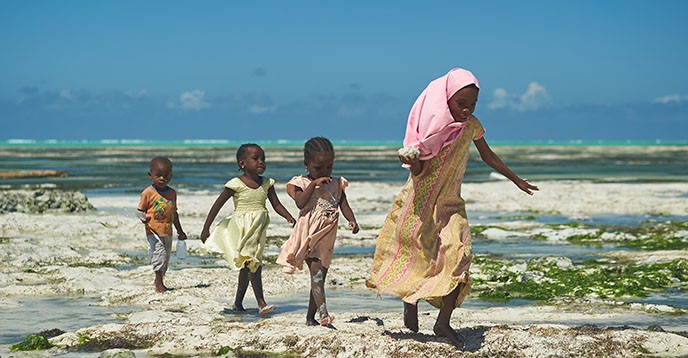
(292, 143)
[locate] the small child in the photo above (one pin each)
(241, 237)
(319, 197)
(158, 211)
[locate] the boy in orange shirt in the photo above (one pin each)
(158, 211)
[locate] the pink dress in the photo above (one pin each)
(316, 226)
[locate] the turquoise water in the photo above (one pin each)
(121, 167)
(299, 143)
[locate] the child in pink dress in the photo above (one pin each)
(319, 197)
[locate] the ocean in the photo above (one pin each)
(107, 167)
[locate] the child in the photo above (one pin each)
(158, 211)
(318, 196)
(423, 250)
(241, 237)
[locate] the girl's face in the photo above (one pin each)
(320, 166)
(462, 103)
(253, 162)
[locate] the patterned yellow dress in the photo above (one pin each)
(424, 248)
(241, 236)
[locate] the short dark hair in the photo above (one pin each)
(164, 161)
(241, 152)
(317, 145)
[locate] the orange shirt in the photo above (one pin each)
(161, 207)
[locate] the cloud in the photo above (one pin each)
(193, 100)
(533, 98)
(672, 98)
(136, 95)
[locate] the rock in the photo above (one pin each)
(32, 174)
(43, 200)
(117, 353)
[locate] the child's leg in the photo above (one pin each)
(157, 255)
(159, 285)
(167, 242)
(318, 275)
(442, 327)
(310, 315)
(411, 316)
(242, 286)
(257, 285)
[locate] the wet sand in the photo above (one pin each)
(101, 255)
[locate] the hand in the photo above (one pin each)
(143, 217)
(181, 235)
(409, 161)
(292, 221)
(525, 186)
(322, 180)
(354, 226)
(204, 235)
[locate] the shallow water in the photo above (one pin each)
(65, 313)
(353, 302)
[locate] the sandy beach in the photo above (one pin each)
(101, 255)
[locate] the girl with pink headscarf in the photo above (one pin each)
(423, 251)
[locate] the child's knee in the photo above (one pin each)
(318, 276)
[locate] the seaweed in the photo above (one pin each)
(32, 342)
(544, 280)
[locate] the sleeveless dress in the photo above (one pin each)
(241, 236)
(316, 226)
(423, 250)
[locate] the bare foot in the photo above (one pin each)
(265, 309)
(327, 320)
(411, 317)
(160, 289)
(312, 322)
(449, 333)
(238, 308)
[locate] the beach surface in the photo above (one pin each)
(98, 258)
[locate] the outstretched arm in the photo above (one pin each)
(493, 160)
(279, 208)
(219, 202)
(348, 213)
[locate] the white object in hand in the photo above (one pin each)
(141, 215)
(409, 153)
(181, 250)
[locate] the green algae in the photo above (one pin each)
(224, 351)
(543, 280)
(227, 351)
(516, 217)
(4, 240)
(650, 235)
(32, 342)
(86, 343)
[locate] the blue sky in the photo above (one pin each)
(608, 70)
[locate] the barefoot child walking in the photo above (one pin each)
(423, 251)
(319, 196)
(241, 237)
(157, 210)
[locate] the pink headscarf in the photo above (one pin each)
(430, 124)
